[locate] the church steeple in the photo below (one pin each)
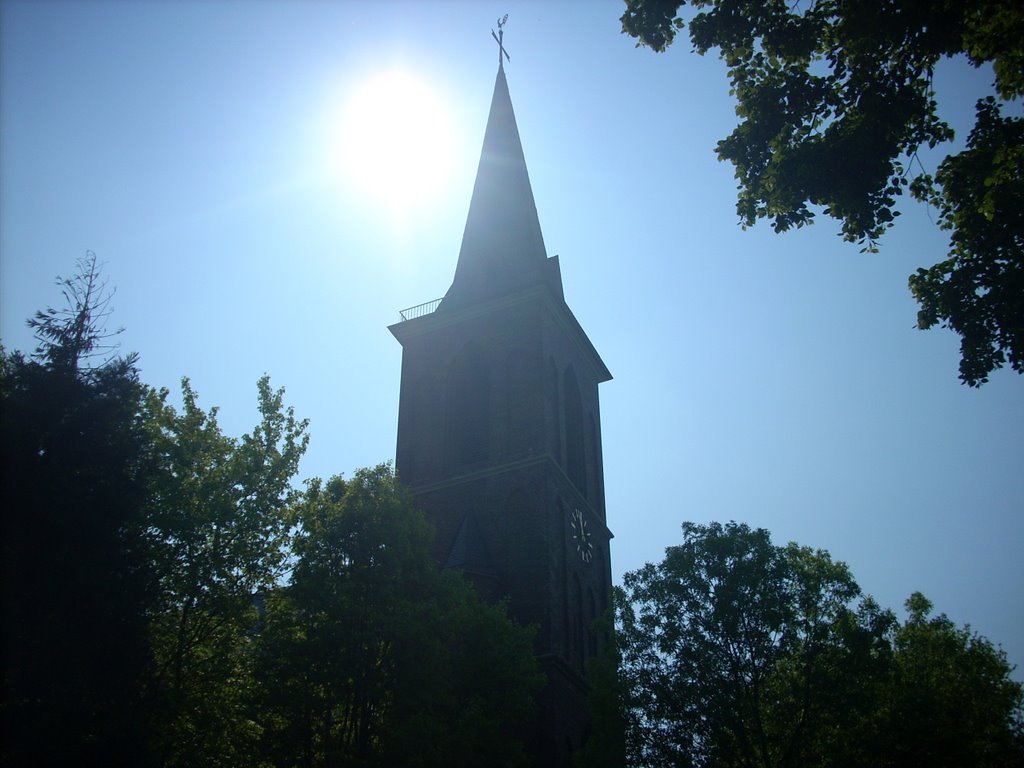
(502, 246)
(499, 435)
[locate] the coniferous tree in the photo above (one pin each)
(77, 582)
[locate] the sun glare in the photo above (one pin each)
(396, 142)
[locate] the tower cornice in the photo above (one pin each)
(556, 308)
(513, 466)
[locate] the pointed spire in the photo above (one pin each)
(502, 246)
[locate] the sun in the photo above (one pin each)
(396, 140)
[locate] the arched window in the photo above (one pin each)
(554, 408)
(518, 424)
(576, 463)
(591, 620)
(595, 462)
(579, 630)
(426, 423)
(599, 569)
(468, 409)
(567, 631)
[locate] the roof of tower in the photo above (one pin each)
(502, 246)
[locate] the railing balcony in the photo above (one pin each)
(419, 310)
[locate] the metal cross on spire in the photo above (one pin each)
(498, 39)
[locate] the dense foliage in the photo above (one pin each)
(77, 578)
(737, 652)
(171, 600)
(372, 652)
(836, 98)
(216, 514)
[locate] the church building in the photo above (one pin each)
(499, 434)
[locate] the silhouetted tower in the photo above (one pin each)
(499, 432)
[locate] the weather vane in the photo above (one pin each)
(499, 37)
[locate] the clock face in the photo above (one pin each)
(581, 536)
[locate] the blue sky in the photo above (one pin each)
(772, 379)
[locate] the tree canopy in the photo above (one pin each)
(738, 652)
(219, 534)
(836, 98)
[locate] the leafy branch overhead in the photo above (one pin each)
(835, 100)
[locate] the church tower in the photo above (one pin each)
(499, 433)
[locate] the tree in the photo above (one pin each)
(372, 656)
(605, 746)
(216, 515)
(737, 652)
(836, 98)
(77, 581)
(71, 335)
(951, 698)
